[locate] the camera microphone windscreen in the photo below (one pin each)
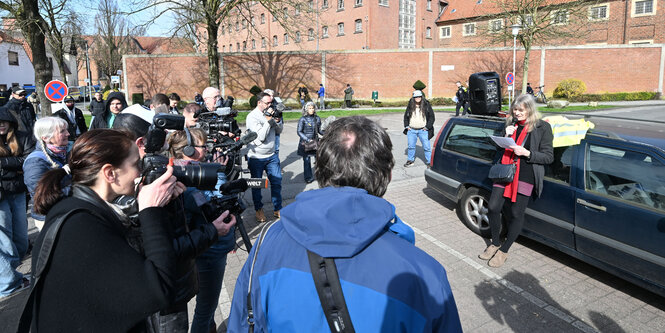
(249, 137)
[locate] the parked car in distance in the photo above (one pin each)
(85, 94)
(603, 200)
(75, 93)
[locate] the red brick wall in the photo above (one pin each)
(392, 73)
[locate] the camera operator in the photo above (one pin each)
(262, 154)
(211, 263)
(213, 101)
(160, 103)
(188, 241)
(94, 279)
(189, 112)
(276, 105)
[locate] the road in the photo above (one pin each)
(538, 289)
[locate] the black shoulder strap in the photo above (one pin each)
(330, 293)
(43, 258)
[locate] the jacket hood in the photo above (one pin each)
(336, 222)
(114, 95)
(6, 116)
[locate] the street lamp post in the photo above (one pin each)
(515, 30)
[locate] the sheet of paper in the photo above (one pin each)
(503, 142)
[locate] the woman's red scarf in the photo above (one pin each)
(508, 157)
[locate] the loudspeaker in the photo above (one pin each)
(485, 93)
(189, 150)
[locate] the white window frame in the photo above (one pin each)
(311, 6)
(358, 25)
(297, 10)
(529, 22)
(428, 33)
(384, 3)
(253, 44)
(286, 39)
(556, 14)
(464, 30)
(340, 5)
(633, 6)
(325, 4)
(358, 3)
(340, 29)
(442, 29)
(310, 34)
(491, 26)
(607, 12)
(275, 40)
(263, 18)
(297, 38)
(285, 10)
(324, 32)
(428, 6)
(244, 45)
(264, 42)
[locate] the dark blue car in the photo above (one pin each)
(603, 199)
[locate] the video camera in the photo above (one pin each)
(214, 207)
(277, 106)
(219, 120)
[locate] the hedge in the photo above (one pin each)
(613, 97)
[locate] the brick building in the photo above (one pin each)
(462, 23)
(338, 25)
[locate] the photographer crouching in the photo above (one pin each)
(189, 240)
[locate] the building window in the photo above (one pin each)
(274, 18)
(244, 24)
(311, 5)
(429, 5)
(560, 17)
(359, 3)
(428, 33)
(643, 7)
(263, 18)
(252, 21)
(297, 36)
(444, 32)
(253, 44)
(469, 29)
(297, 9)
(286, 39)
(324, 5)
(274, 40)
(222, 32)
(340, 4)
(238, 46)
(496, 25)
(263, 42)
(223, 48)
(340, 29)
(237, 26)
(230, 28)
(324, 32)
(230, 47)
(286, 12)
(244, 45)
(528, 21)
(310, 34)
(407, 24)
(599, 12)
(359, 25)
(383, 3)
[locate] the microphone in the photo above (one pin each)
(249, 137)
(241, 185)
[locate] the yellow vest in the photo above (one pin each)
(568, 132)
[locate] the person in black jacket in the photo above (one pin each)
(95, 280)
(532, 152)
(97, 106)
(14, 147)
(74, 118)
(418, 124)
(462, 96)
(22, 111)
(113, 105)
(309, 128)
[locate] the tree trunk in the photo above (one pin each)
(35, 36)
(213, 55)
(525, 67)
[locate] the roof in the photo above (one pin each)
(467, 9)
(6, 38)
(163, 45)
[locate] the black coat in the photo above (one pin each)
(11, 172)
(25, 113)
(429, 116)
(96, 281)
(101, 120)
(79, 122)
(309, 128)
(97, 108)
(462, 95)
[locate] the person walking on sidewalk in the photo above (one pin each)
(322, 94)
(261, 154)
(462, 96)
(418, 124)
(309, 128)
(348, 95)
(532, 152)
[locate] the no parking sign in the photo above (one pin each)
(510, 78)
(56, 91)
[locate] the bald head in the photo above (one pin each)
(210, 96)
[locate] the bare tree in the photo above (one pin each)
(541, 21)
(64, 27)
(33, 25)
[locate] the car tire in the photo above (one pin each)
(472, 209)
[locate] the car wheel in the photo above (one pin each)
(472, 209)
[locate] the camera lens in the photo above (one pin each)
(202, 176)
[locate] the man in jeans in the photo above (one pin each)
(262, 155)
(322, 95)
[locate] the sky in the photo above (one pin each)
(161, 27)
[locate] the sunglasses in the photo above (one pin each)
(21, 95)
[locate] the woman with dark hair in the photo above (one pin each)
(309, 128)
(14, 147)
(418, 124)
(50, 153)
(110, 287)
(532, 152)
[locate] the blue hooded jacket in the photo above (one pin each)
(388, 283)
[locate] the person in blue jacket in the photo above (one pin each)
(387, 282)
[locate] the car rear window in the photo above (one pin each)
(472, 140)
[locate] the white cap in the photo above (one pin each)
(140, 111)
(417, 93)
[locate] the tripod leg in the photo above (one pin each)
(243, 233)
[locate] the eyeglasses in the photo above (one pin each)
(21, 95)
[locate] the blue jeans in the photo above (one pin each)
(274, 170)
(277, 138)
(13, 240)
(211, 265)
(307, 167)
(412, 137)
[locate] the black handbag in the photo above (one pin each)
(502, 173)
(312, 146)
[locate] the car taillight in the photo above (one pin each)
(431, 160)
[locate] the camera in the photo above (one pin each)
(277, 106)
(202, 176)
(214, 207)
(222, 119)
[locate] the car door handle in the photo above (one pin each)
(594, 206)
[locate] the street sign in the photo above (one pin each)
(119, 72)
(56, 91)
(87, 80)
(510, 78)
(115, 79)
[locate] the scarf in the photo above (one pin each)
(58, 151)
(508, 157)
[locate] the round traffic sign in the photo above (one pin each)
(56, 91)
(510, 78)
